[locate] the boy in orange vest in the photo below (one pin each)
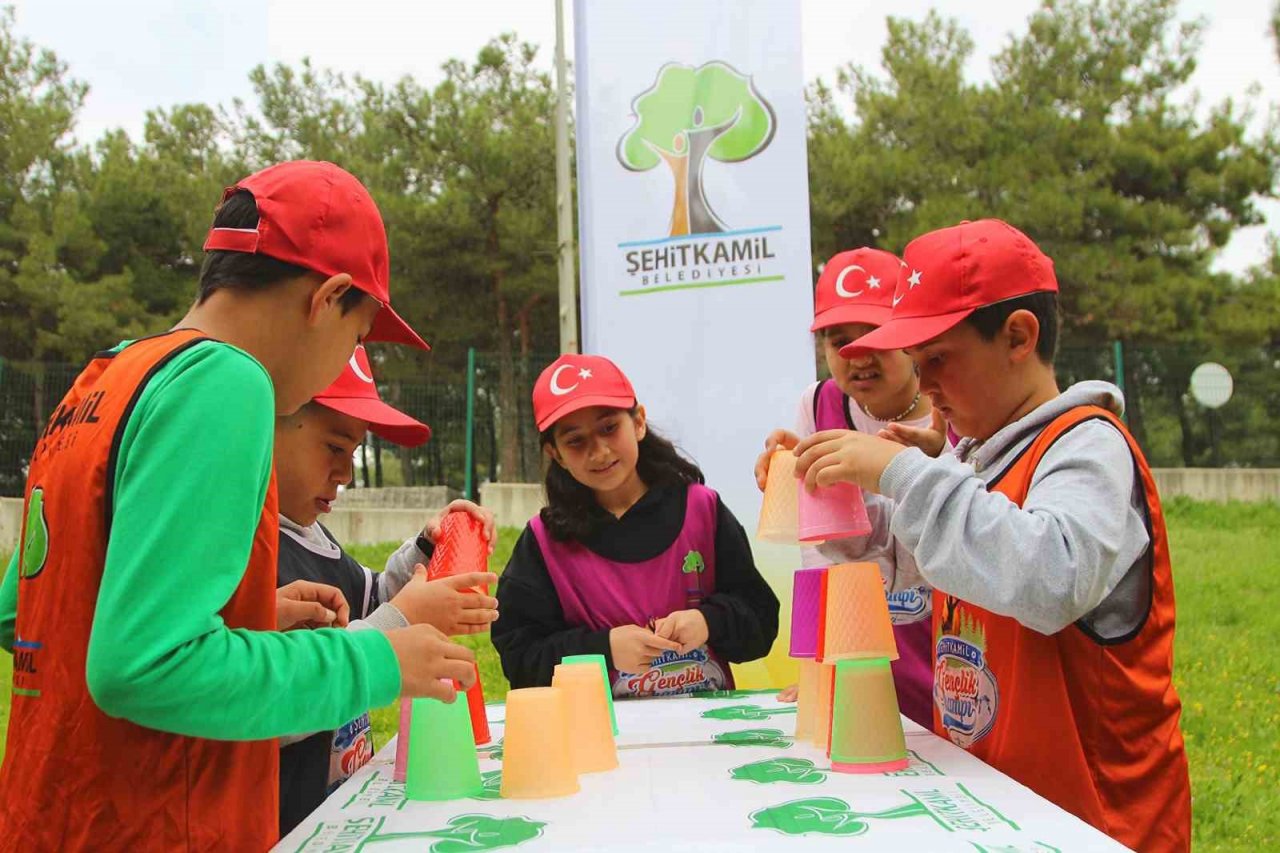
(1043, 539)
(149, 679)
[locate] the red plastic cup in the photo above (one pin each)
(461, 547)
(475, 704)
(402, 740)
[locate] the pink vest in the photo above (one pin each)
(598, 594)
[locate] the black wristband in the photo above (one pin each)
(424, 545)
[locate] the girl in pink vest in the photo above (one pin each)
(633, 558)
(876, 393)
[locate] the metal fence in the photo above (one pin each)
(482, 421)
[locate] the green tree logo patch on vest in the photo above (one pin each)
(35, 541)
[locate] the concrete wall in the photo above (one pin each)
(380, 515)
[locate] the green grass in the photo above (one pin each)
(1227, 570)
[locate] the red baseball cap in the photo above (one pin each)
(353, 393)
(318, 216)
(574, 382)
(950, 273)
(855, 287)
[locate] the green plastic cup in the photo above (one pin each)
(866, 728)
(442, 752)
(604, 678)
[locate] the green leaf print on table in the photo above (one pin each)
(473, 832)
(746, 712)
(826, 816)
(754, 737)
(798, 771)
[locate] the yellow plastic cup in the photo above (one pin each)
(822, 717)
(537, 762)
(807, 699)
(780, 508)
(590, 733)
(857, 623)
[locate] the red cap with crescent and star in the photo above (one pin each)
(574, 382)
(855, 287)
(353, 393)
(950, 273)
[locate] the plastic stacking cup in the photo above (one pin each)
(856, 623)
(822, 617)
(536, 761)
(779, 515)
(460, 548)
(806, 595)
(866, 732)
(832, 512)
(402, 740)
(807, 699)
(822, 716)
(442, 753)
(590, 735)
(475, 707)
(604, 680)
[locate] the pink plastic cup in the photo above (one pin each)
(832, 512)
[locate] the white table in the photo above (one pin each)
(730, 779)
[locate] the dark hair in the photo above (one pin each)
(572, 512)
(242, 271)
(989, 320)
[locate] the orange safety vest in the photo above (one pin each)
(74, 778)
(1089, 724)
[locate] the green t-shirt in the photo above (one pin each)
(191, 476)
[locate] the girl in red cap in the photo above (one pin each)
(633, 558)
(870, 392)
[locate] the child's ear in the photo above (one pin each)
(1022, 330)
(641, 424)
(328, 294)
(553, 454)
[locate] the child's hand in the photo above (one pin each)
(837, 455)
(931, 439)
(633, 648)
(484, 516)
(306, 604)
(448, 604)
(789, 694)
(426, 656)
(777, 438)
(686, 627)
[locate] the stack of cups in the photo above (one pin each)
(866, 731)
(590, 732)
(805, 602)
(442, 761)
(537, 762)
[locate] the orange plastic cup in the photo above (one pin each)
(866, 732)
(822, 716)
(460, 548)
(807, 699)
(779, 511)
(537, 762)
(590, 731)
(856, 623)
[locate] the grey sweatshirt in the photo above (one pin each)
(1075, 551)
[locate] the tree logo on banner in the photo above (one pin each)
(463, 833)
(754, 737)
(798, 771)
(688, 115)
(954, 810)
(746, 712)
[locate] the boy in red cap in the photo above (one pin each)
(1044, 540)
(314, 448)
(871, 392)
(150, 681)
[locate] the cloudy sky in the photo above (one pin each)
(140, 54)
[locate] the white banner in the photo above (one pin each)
(694, 219)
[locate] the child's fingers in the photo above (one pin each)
(665, 628)
(477, 616)
(470, 580)
(660, 644)
(762, 469)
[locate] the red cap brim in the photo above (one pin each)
(584, 402)
(903, 332)
(384, 420)
(875, 315)
(389, 327)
